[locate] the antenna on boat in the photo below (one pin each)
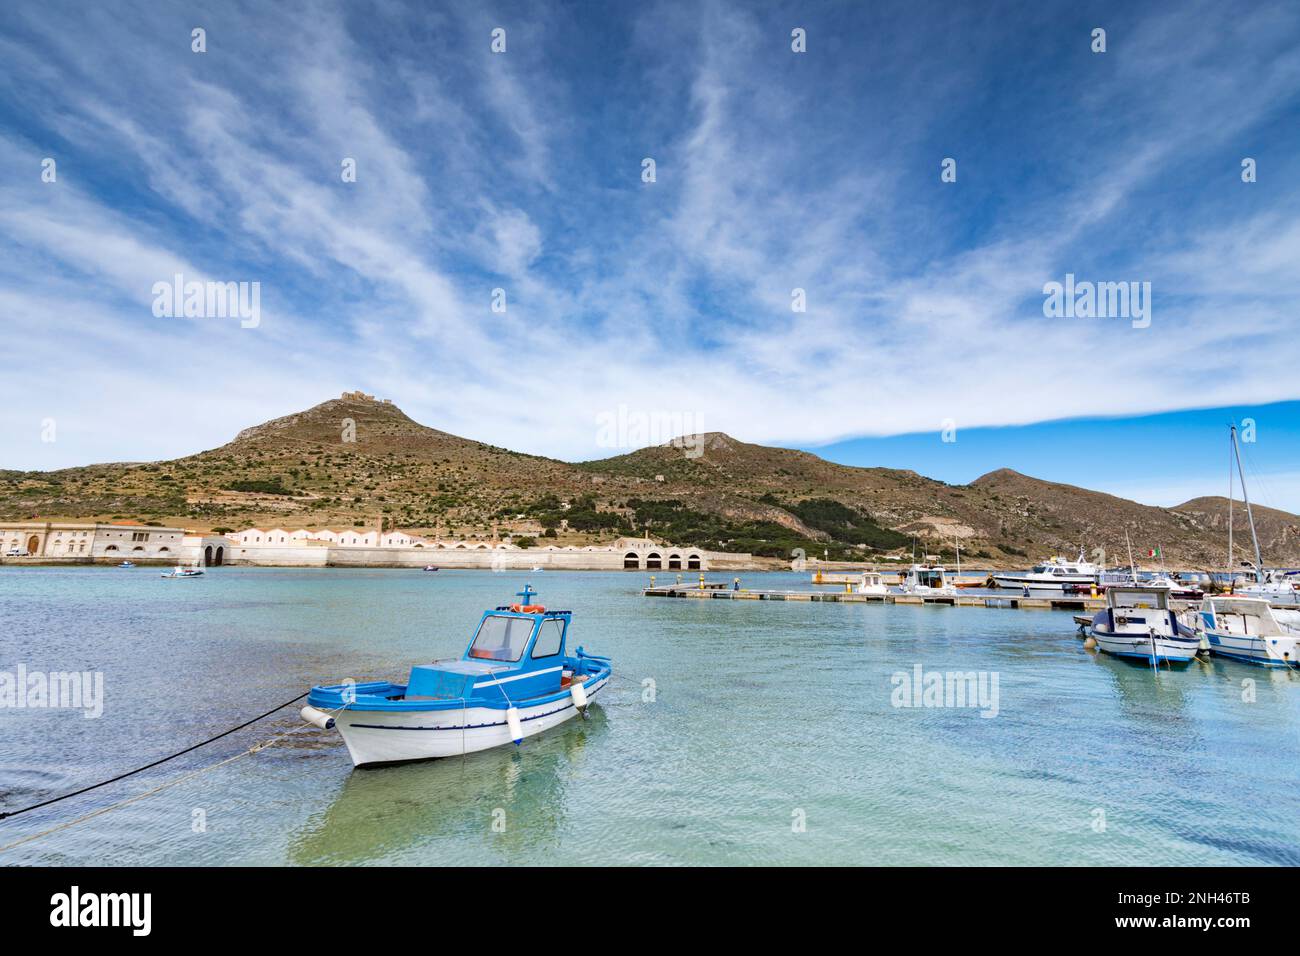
(527, 594)
(1259, 561)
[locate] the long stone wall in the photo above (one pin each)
(486, 559)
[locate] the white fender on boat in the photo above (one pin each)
(317, 717)
(579, 695)
(516, 728)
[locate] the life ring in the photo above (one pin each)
(527, 608)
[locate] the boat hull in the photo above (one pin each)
(1016, 582)
(1254, 649)
(382, 737)
(1166, 650)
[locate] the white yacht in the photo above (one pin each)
(1056, 574)
(927, 579)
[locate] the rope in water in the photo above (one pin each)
(148, 766)
(260, 745)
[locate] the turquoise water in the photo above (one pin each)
(764, 716)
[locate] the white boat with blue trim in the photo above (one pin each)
(1139, 623)
(514, 680)
(1248, 629)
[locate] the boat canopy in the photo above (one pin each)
(1242, 615)
(1135, 596)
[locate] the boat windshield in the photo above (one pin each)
(501, 638)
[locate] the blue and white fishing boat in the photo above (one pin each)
(1247, 629)
(1139, 623)
(514, 680)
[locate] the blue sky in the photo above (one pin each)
(775, 171)
(1162, 459)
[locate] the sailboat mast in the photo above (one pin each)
(1231, 446)
(1259, 561)
(1132, 568)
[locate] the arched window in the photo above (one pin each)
(653, 562)
(693, 563)
(631, 561)
(674, 562)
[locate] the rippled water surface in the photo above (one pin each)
(765, 715)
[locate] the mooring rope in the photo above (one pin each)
(260, 745)
(130, 773)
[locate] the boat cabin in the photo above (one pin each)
(927, 576)
(1241, 616)
(1137, 596)
(517, 652)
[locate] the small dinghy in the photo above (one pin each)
(1138, 622)
(126, 564)
(514, 680)
(430, 567)
(180, 571)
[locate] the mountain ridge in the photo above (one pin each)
(357, 461)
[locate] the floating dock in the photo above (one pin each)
(717, 590)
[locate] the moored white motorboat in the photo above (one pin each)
(181, 571)
(1247, 629)
(126, 564)
(927, 579)
(1177, 589)
(869, 582)
(1276, 586)
(514, 680)
(1139, 623)
(1056, 574)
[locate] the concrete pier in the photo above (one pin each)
(720, 591)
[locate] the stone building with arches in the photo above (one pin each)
(357, 547)
(64, 542)
(75, 541)
(643, 554)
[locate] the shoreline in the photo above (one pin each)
(752, 566)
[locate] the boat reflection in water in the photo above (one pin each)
(1149, 699)
(505, 800)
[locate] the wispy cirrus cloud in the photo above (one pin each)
(521, 171)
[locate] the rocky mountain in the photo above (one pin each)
(356, 461)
